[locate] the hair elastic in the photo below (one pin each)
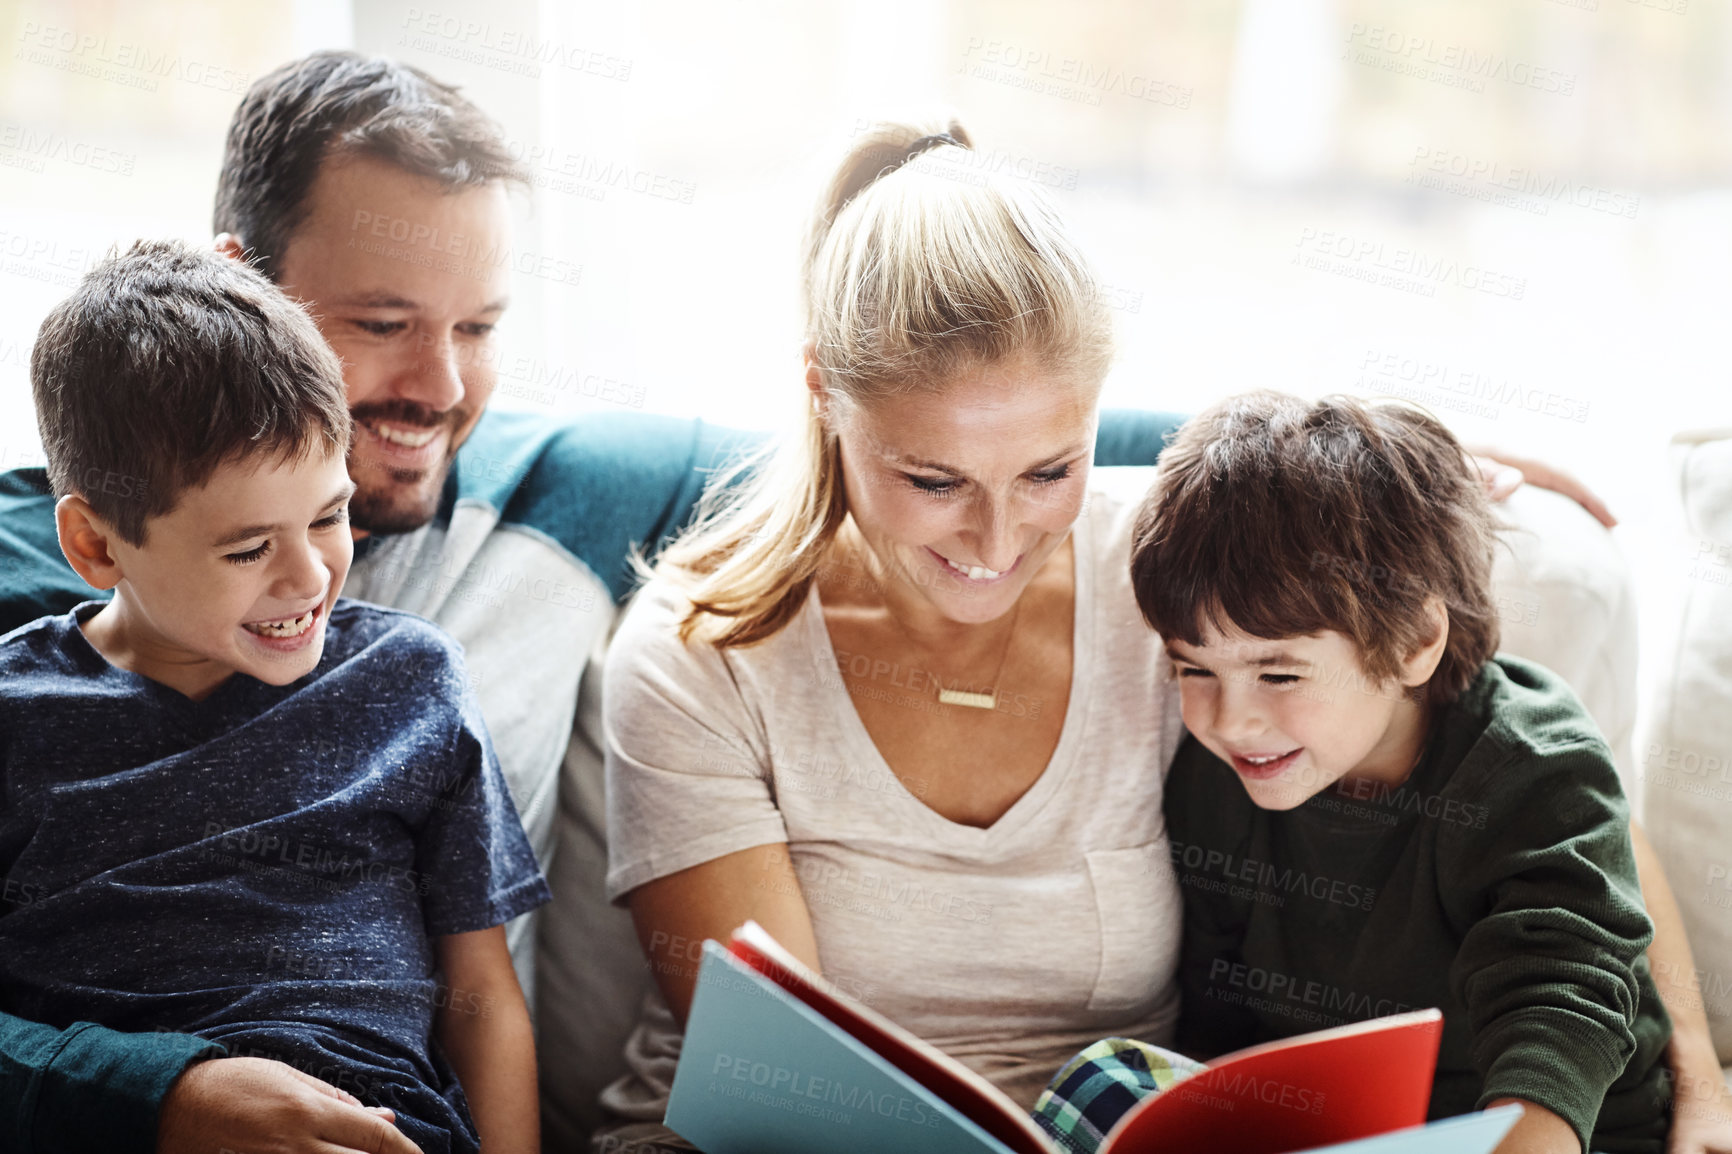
(926, 143)
(923, 144)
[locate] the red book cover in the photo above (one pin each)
(1313, 1090)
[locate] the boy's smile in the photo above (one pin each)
(288, 634)
(1293, 716)
(239, 577)
(1262, 767)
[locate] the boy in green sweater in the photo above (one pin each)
(1374, 813)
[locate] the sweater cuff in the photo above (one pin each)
(103, 1089)
(1552, 1058)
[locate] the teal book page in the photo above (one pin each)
(762, 1073)
(1466, 1134)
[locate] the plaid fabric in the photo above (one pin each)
(1086, 1099)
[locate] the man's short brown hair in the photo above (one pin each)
(168, 361)
(331, 104)
(1283, 517)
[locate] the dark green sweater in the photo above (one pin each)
(1497, 884)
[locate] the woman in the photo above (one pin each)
(893, 698)
(896, 702)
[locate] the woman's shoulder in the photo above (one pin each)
(648, 641)
(657, 606)
(653, 675)
(649, 629)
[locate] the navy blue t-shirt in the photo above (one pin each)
(265, 867)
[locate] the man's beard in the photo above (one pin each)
(394, 500)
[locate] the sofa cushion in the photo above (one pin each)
(1566, 600)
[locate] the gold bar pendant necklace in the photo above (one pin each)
(984, 700)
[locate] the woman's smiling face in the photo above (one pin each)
(963, 491)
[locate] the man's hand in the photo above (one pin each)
(257, 1106)
(1504, 473)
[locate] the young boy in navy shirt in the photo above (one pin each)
(231, 804)
(1373, 813)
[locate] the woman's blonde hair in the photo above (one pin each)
(917, 268)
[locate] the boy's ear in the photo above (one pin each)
(85, 541)
(1423, 662)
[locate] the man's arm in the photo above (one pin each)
(483, 1027)
(35, 579)
(1134, 436)
(87, 1087)
(91, 1088)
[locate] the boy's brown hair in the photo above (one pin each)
(168, 361)
(1284, 517)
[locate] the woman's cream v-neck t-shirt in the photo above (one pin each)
(1009, 947)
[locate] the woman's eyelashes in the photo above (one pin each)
(932, 486)
(946, 486)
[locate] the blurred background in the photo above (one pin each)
(1515, 212)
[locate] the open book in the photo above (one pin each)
(777, 1061)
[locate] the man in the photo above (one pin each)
(378, 197)
(518, 548)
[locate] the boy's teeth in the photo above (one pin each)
(412, 440)
(289, 628)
